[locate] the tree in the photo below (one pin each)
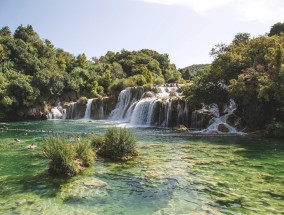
(20, 89)
(241, 38)
(82, 61)
(276, 29)
(5, 32)
(218, 50)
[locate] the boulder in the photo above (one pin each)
(223, 128)
(181, 127)
(148, 94)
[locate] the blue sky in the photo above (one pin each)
(184, 29)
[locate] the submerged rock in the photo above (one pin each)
(94, 183)
(85, 189)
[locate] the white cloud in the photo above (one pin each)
(264, 11)
(200, 6)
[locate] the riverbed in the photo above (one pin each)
(175, 173)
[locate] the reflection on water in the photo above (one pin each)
(174, 174)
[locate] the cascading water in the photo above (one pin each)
(125, 99)
(70, 110)
(88, 109)
(142, 112)
(161, 106)
(157, 107)
(57, 112)
(218, 124)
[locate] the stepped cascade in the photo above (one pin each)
(161, 106)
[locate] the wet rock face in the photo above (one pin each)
(200, 120)
(235, 121)
(100, 108)
(38, 112)
(223, 128)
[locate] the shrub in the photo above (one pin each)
(97, 141)
(67, 159)
(139, 80)
(117, 144)
(84, 152)
(83, 100)
(117, 86)
(275, 129)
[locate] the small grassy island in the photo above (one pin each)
(117, 144)
(68, 158)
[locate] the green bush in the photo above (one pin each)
(83, 100)
(67, 159)
(275, 129)
(117, 144)
(84, 152)
(97, 141)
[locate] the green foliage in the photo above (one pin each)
(276, 29)
(34, 71)
(275, 129)
(65, 158)
(83, 100)
(139, 80)
(84, 153)
(117, 144)
(97, 141)
(190, 72)
(250, 71)
(117, 86)
(207, 90)
(241, 38)
(62, 156)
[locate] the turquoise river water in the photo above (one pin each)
(175, 173)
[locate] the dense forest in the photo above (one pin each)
(248, 70)
(33, 71)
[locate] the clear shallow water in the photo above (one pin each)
(172, 175)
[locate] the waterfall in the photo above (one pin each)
(162, 106)
(142, 112)
(88, 109)
(218, 124)
(70, 111)
(57, 112)
(182, 113)
(125, 99)
(101, 111)
(168, 113)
